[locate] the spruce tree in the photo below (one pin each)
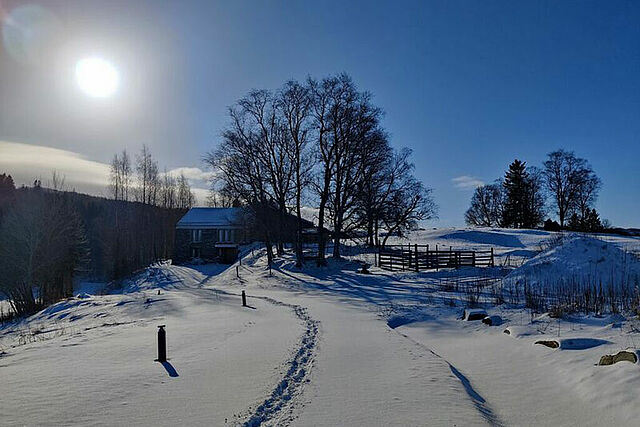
(515, 185)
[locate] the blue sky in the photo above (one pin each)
(469, 86)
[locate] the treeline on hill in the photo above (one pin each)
(319, 141)
(47, 236)
(521, 198)
(148, 185)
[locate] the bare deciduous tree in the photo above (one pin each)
(240, 172)
(486, 206)
(346, 126)
(586, 193)
(42, 242)
(185, 197)
(567, 179)
(120, 176)
(410, 203)
(324, 135)
(295, 106)
(147, 170)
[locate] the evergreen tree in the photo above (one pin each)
(7, 192)
(592, 221)
(589, 222)
(515, 186)
(524, 200)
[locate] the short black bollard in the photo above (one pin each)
(244, 299)
(237, 271)
(162, 344)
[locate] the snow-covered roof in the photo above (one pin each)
(211, 218)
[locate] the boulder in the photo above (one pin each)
(610, 359)
(492, 320)
(550, 344)
(475, 314)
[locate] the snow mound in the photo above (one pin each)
(486, 237)
(579, 260)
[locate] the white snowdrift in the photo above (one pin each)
(580, 260)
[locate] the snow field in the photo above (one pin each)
(227, 360)
(325, 346)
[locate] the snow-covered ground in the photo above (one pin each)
(326, 346)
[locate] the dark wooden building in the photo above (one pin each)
(210, 234)
(215, 234)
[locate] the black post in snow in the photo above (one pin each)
(244, 299)
(162, 344)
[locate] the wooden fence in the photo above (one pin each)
(421, 258)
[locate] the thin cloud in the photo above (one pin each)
(27, 162)
(192, 174)
(466, 182)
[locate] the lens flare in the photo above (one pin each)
(29, 33)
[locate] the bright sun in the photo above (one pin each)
(97, 77)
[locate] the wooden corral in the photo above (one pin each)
(422, 257)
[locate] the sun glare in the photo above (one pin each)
(97, 77)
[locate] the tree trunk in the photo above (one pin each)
(269, 247)
(337, 234)
(299, 253)
(370, 231)
(322, 238)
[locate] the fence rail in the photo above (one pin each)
(421, 258)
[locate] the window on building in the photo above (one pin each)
(225, 236)
(196, 236)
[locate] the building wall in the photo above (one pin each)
(182, 246)
(207, 245)
(208, 248)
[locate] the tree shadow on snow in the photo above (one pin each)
(380, 288)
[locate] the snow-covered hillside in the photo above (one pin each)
(543, 257)
(582, 259)
(325, 346)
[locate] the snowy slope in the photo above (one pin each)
(92, 362)
(321, 346)
(584, 259)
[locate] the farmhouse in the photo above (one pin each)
(210, 234)
(215, 234)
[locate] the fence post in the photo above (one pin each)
(162, 344)
(492, 263)
(416, 258)
(402, 255)
(473, 258)
(428, 260)
(408, 258)
(437, 259)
